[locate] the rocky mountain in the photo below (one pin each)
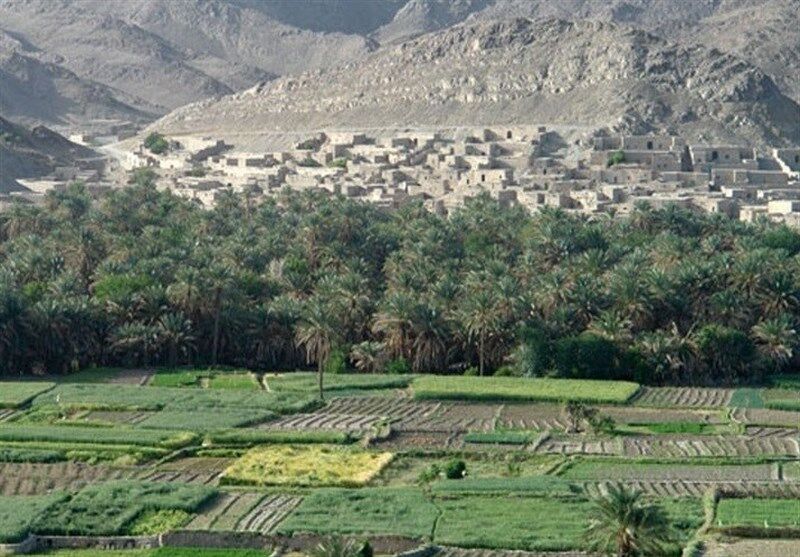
(139, 59)
(28, 153)
(154, 55)
(768, 36)
(588, 73)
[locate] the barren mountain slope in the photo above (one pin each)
(519, 71)
(35, 88)
(29, 153)
(768, 36)
(166, 54)
(421, 16)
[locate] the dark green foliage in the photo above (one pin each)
(31, 455)
(141, 277)
(617, 157)
(107, 509)
(156, 143)
(456, 469)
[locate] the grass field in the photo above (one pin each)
(517, 389)
(763, 513)
(314, 465)
(500, 437)
(212, 378)
(94, 435)
(127, 397)
(541, 524)
(14, 394)
(307, 382)
(18, 514)
(111, 508)
(204, 419)
(606, 469)
(402, 511)
(540, 486)
(516, 523)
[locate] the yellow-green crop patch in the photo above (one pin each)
(522, 389)
(317, 466)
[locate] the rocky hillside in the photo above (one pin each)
(29, 153)
(150, 55)
(587, 73)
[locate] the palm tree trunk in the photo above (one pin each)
(217, 312)
(320, 372)
(173, 353)
(480, 354)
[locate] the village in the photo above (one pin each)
(532, 166)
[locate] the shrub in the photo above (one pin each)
(337, 362)
(308, 162)
(156, 143)
(456, 469)
(398, 367)
(617, 157)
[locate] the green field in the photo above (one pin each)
(762, 513)
(307, 382)
(453, 387)
(402, 511)
(126, 397)
(541, 524)
(94, 435)
(19, 513)
(212, 378)
(16, 394)
(112, 508)
(204, 419)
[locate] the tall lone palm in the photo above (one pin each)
(623, 522)
(316, 333)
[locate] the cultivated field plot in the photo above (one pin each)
(681, 488)
(93, 435)
(577, 446)
(268, 513)
(18, 513)
(307, 382)
(621, 470)
(381, 510)
(138, 377)
(8, 414)
(225, 511)
(324, 421)
(453, 417)
(759, 431)
(309, 465)
(752, 548)
(446, 551)
(114, 507)
(202, 470)
(766, 417)
(644, 415)
(457, 387)
(533, 523)
(42, 478)
(686, 397)
(15, 394)
(532, 416)
(669, 446)
(120, 417)
(125, 397)
(411, 440)
(205, 378)
(763, 513)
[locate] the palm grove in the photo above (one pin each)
(142, 277)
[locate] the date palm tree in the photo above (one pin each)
(625, 523)
(175, 331)
(776, 340)
(317, 333)
(480, 315)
